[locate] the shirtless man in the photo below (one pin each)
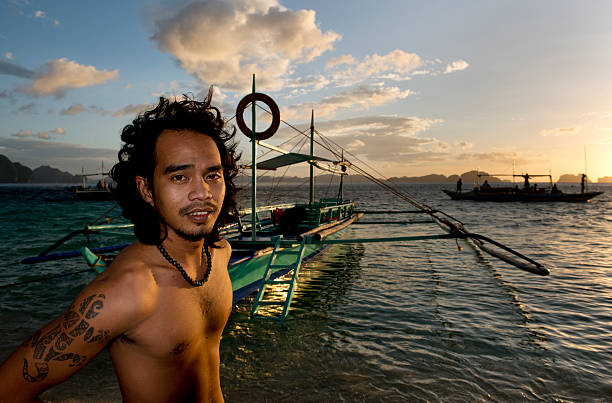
(162, 304)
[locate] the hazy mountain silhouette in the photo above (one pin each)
(14, 172)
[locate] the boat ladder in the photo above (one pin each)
(291, 262)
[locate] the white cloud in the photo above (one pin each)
(354, 145)
(131, 110)
(40, 14)
(339, 61)
(362, 97)
(396, 65)
(456, 66)
(385, 138)
(223, 43)
(60, 75)
(8, 55)
(568, 131)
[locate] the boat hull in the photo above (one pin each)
(97, 195)
(522, 196)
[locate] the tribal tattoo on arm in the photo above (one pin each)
(52, 345)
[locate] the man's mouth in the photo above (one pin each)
(197, 213)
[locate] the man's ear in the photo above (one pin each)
(143, 188)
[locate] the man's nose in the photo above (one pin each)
(200, 190)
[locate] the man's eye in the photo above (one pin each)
(178, 178)
(214, 176)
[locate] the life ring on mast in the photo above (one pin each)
(242, 105)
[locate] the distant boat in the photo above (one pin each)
(526, 193)
(93, 194)
(101, 192)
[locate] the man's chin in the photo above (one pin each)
(194, 236)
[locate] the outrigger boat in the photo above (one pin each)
(102, 191)
(526, 193)
(271, 243)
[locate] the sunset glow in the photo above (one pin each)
(411, 87)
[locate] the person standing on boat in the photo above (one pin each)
(582, 183)
(527, 187)
(162, 304)
(459, 184)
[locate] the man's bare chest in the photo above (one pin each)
(185, 318)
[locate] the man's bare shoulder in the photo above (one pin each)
(130, 280)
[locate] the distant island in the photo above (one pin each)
(14, 172)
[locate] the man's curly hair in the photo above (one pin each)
(137, 158)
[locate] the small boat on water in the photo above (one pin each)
(101, 192)
(526, 193)
(271, 243)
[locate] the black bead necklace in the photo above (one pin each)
(195, 283)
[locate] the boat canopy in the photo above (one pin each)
(288, 159)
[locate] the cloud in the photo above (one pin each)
(396, 65)
(28, 108)
(15, 70)
(384, 138)
(8, 55)
(569, 131)
(74, 109)
(506, 158)
(362, 97)
(69, 157)
(339, 61)
(224, 42)
(305, 85)
(457, 65)
(464, 145)
(60, 75)
(131, 110)
(40, 14)
(23, 134)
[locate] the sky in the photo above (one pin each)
(409, 87)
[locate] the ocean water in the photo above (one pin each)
(393, 322)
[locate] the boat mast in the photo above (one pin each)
(586, 180)
(311, 200)
(253, 168)
(342, 181)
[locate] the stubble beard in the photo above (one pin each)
(194, 236)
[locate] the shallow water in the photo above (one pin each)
(416, 321)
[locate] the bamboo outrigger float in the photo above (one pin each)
(271, 243)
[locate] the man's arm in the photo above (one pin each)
(103, 310)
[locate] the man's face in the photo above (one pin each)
(188, 185)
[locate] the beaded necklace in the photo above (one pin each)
(195, 283)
